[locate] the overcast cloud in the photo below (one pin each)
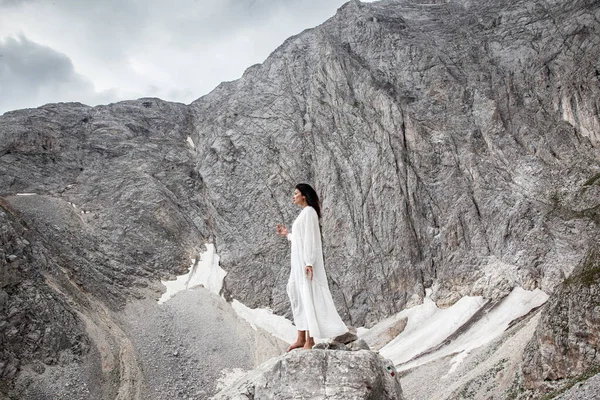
(102, 51)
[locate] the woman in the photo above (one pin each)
(315, 315)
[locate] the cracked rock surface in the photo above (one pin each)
(319, 374)
(452, 143)
(566, 342)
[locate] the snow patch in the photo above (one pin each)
(428, 326)
(361, 331)
(205, 271)
(191, 142)
(208, 273)
(26, 194)
(460, 357)
(423, 322)
(264, 318)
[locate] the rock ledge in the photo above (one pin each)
(319, 374)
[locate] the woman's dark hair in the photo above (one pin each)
(311, 196)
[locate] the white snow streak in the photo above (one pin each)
(428, 326)
(205, 271)
(191, 142)
(263, 318)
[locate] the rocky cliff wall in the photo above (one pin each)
(449, 142)
(37, 325)
(566, 343)
(103, 222)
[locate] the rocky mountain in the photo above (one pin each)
(454, 144)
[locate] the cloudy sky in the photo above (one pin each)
(102, 51)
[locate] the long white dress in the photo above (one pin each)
(312, 304)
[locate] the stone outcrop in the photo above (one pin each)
(379, 339)
(319, 374)
(566, 343)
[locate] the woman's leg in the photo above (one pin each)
(300, 342)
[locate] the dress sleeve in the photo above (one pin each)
(311, 237)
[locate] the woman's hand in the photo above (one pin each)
(309, 272)
(282, 230)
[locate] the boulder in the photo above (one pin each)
(319, 374)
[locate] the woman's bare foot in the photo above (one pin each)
(308, 345)
(296, 345)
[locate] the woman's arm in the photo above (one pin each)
(312, 235)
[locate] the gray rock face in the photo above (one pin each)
(377, 341)
(319, 374)
(566, 341)
(37, 325)
(101, 229)
(117, 190)
(450, 142)
(588, 390)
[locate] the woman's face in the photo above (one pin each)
(299, 198)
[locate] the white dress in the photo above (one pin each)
(312, 304)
